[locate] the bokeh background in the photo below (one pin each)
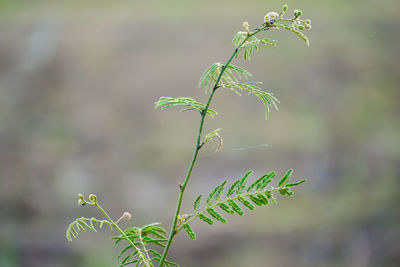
(78, 80)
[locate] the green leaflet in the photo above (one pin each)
(246, 203)
(295, 184)
(262, 198)
(225, 208)
(235, 207)
(285, 178)
(285, 191)
(238, 186)
(255, 200)
(206, 219)
(269, 195)
(216, 215)
(233, 188)
(260, 181)
(196, 204)
(242, 184)
(189, 103)
(189, 231)
(215, 194)
(266, 180)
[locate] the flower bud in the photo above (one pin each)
(271, 16)
(299, 13)
(246, 26)
(300, 27)
(285, 8)
(81, 200)
(126, 216)
(93, 198)
(308, 21)
(308, 26)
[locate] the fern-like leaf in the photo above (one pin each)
(232, 74)
(252, 44)
(189, 103)
(252, 88)
(81, 224)
(149, 235)
(239, 38)
(257, 193)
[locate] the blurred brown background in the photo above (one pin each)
(78, 80)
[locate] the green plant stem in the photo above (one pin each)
(196, 151)
(141, 255)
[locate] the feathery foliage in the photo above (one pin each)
(81, 224)
(267, 98)
(230, 74)
(145, 238)
(190, 103)
(257, 193)
(142, 246)
(252, 44)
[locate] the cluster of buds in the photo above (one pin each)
(182, 219)
(300, 24)
(83, 202)
(303, 24)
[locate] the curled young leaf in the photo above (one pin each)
(214, 134)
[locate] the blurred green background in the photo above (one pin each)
(78, 80)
